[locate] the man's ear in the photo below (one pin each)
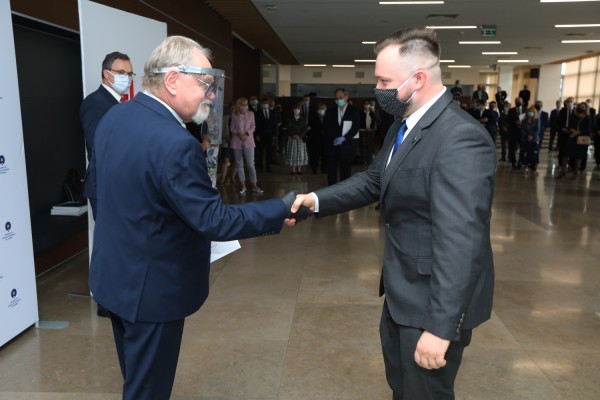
(421, 79)
(171, 81)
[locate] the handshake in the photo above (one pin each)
(301, 212)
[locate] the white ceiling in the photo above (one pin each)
(331, 31)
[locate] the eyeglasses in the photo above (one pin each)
(210, 87)
(122, 72)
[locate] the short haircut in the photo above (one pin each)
(173, 51)
(412, 41)
(109, 60)
(341, 89)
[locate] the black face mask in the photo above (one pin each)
(538, 108)
(388, 100)
(581, 110)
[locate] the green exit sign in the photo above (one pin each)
(488, 30)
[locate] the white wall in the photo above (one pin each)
(505, 79)
(549, 85)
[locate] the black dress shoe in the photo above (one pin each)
(103, 312)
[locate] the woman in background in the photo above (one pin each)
(296, 155)
(530, 139)
(242, 143)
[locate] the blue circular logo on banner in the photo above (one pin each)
(13, 293)
(7, 226)
(2, 159)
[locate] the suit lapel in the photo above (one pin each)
(108, 95)
(413, 138)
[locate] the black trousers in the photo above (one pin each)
(552, 136)
(342, 155)
(264, 148)
(406, 378)
(513, 144)
(148, 354)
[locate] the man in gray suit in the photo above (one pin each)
(434, 178)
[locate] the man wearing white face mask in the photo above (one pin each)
(117, 73)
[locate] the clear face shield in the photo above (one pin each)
(214, 82)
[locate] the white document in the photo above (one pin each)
(346, 127)
(221, 249)
(521, 117)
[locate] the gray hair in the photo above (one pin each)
(173, 51)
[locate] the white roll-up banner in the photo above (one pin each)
(18, 296)
(104, 30)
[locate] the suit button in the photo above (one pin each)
(458, 330)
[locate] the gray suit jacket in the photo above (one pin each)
(436, 198)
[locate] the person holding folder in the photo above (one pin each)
(342, 122)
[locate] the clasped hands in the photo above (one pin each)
(297, 210)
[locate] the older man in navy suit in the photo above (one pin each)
(117, 73)
(158, 213)
(438, 271)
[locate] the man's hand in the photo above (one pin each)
(302, 202)
(430, 351)
(338, 140)
(295, 214)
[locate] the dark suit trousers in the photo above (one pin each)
(513, 144)
(408, 380)
(342, 155)
(148, 354)
(264, 148)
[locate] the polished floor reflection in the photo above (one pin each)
(295, 316)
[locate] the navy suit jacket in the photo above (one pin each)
(91, 111)
(157, 215)
(438, 271)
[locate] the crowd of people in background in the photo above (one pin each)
(316, 137)
(522, 127)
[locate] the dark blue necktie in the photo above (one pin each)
(399, 136)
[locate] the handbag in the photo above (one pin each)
(583, 140)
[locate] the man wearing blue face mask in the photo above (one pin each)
(117, 73)
(434, 178)
(342, 122)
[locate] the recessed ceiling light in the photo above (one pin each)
(499, 53)
(581, 41)
(481, 42)
(409, 2)
(369, 42)
(451, 27)
(513, 61)
(564, 1)
(315, 65)
(446, 61)
(364, 61)
(459, 66)
(343, 66)
(576, 25)
(271, 7)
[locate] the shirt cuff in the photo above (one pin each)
(316, 201)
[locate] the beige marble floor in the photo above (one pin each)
(295, 316)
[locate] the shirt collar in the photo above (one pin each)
(166, 105)
(112, 91)
(413, 118)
